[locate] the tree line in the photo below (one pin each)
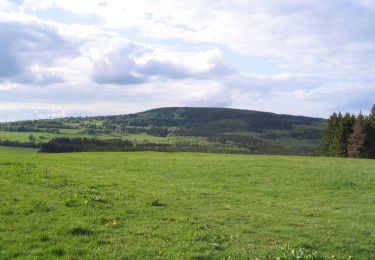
(12, 143)
(66, 145)
(350, 135)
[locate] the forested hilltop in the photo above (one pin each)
(176, 128)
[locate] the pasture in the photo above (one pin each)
(12, 150)
(139, 205)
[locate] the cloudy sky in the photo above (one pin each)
(98, 57)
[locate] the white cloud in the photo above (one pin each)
(174, 54)
(302, 36)
(126, 63)
(29, 49)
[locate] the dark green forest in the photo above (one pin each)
(350, 135)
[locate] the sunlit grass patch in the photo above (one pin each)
(184, 205)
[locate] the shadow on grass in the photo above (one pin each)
(80, 231)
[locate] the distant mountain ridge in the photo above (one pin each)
(225, 128)
(204, 114)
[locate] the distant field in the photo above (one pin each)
(5, 150)
(40, 136)
(43, 137)
(184, 205)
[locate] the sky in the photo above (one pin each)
(105, 57)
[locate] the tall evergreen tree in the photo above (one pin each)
(348, 123)
(357, 140)
(334, 137)
(370, 144)
(328, 134)
(337, 146)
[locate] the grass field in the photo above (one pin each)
(184, 205)
(24, 136)
(6, 149)
(70, 133)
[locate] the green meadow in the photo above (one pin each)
(141, 205)
(12, 150)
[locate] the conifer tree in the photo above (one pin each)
(337, 146)
(357, 140)
(328, 134)
(334, 136)
(370, 144)
(347, 122)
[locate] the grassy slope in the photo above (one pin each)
(97, 205)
